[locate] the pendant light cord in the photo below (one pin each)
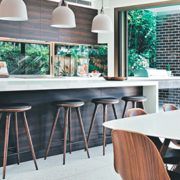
(63, 3)
(102, 9)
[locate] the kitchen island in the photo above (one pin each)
(42, 92)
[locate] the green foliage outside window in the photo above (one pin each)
(26, 59)
(69, 57)
(98, 59)
(142, 40)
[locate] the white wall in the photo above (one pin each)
(109, 38)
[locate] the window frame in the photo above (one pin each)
(32, 42)
(121, 34)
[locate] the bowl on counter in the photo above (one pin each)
(97, 74)
(110, 78)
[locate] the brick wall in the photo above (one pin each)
(168, 52)
(168, 41)
(171, 96)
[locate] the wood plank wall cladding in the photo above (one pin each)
(41, 117)
(38, 26)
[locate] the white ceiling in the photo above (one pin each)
(95, 3)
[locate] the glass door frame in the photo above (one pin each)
(121, 34)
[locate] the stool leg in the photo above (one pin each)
(0, 116)
(82, 130)
(65, 133)
(6, 141)
(104, 129)
(69, 129)
(29, 139)
(52, 133)
(114, 110)
(17, 138)
(134, 104)
(92, 122)
(143, 105)
(125, 106)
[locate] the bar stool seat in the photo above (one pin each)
(105, 101)
(134, 100)
(70, 103)
(67, 105)
(10, 109)
(18, 107)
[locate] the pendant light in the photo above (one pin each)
(13, 10)
(63, 16)
(102, 23)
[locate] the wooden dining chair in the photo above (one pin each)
(138, 112)
(135, 112)
(169, 107)
(172, 156)
(136, 157)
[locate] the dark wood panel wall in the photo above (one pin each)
(38, 26)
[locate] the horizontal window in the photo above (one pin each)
(26, 58)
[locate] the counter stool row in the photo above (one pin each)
(68, 106)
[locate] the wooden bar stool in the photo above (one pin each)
(10, 109)
(134, 100)
(68, 105)
(105, 102)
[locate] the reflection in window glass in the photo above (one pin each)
(26, 58)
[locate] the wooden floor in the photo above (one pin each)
(77, 167)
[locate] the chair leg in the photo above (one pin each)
(104, 129)
(52, 133)
(6, 141)
(69, 129)
(17, 138)
(124, 111)
(92, 122)
(82, 130)
(65, 133)
(133, 104)
(114, 110)
(29, 139)
(164, 147)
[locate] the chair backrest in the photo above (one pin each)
(171, 107)
(136, 157)
(135, 112)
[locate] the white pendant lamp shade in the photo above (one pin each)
(102, 24)
(63, 17)
(13, 10)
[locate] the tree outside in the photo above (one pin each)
(142, 40)
(79, 60)
(25, 58)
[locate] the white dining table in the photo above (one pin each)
(163, 124)
(159, 125)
